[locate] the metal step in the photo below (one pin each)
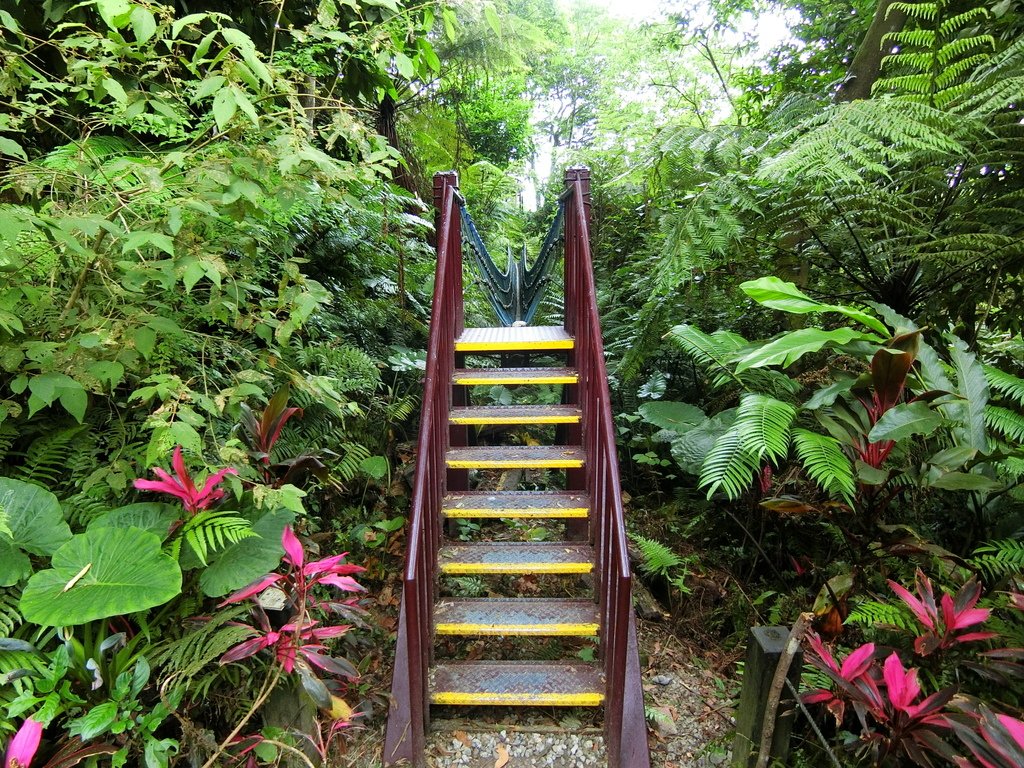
(512, 376)
(516, 414)
(517, 683)
(517, 504)
(522, 339)
(515, 457)
(516, 616)
(493, 557)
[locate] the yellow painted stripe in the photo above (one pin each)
(471, 380)
(462, 568)
(514, 463)
(548, 630)
(517, 513)
(512, 345)
(458, 698)
(568, 419)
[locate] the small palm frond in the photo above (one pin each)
(877, 615)
(728, 466)
(10, 616)
(713, 352)
(655, 557)
(825, 462)
(211, 530)
(1005, 384)
(1006, 422)
(764, 426)
(1000, 558)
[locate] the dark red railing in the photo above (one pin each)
(625, 727)
(410, 706)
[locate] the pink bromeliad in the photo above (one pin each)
(23, 746)
(182, 486)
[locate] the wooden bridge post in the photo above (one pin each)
(765, 646)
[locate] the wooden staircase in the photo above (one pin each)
(587, 505)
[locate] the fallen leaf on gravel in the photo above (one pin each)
(502, 760)
(464, 738)
(661, 718)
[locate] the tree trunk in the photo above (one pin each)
(387, 126)
(867, 64)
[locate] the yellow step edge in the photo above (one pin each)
(518, 513)
(546, 630)
(514, 463)
(456, 698)
(457, 568)
(483, 420)
(470, 380)
(512, 345)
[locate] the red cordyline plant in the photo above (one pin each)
(183, 488)
(298, 644)
(261, 433)
(995, 740)
(885, 698)
(946, 621)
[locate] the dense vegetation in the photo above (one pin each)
(215, 259)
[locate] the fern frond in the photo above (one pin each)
(825, 462)
(764, 426)
(728, 466)
(10, 616)
(1000, 558)
(872, 613)
(47, 458)
(1007, 422)
(1005, 384)
(713, 352)
(212, 529)
(347, 466)
(204, 642)
(655, 557)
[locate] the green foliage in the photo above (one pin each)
(999, 559)
(874, 614)
(826, 464)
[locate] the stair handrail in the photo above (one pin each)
(614, 577)
(407, 722)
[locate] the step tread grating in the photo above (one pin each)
(495, 557)
(515, 457)
(513, 376)
(515, 683)
(516, 616)
(516, 414)
(524, 338)
(518, 504)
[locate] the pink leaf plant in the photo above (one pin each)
(298, 644)
(885, 698)
(23, 746)
(995, 740)
(182, 487)
(944, 622)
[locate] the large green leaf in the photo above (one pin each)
(778, 294)
(973, 388)
(247, 560)
(905, 420)
(101, 573)
(14, 564)
(790, 347)
(965, 481)
(672, 415)
(692, 447)
(149, 515)
(34, 517)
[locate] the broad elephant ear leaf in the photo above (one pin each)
(34, 517)
(245, 561)
(101, 573)
(678, 417)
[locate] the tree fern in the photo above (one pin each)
(825, 462)
(211, 530)
(1000, 558)
(729, 466)
(763, 424)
